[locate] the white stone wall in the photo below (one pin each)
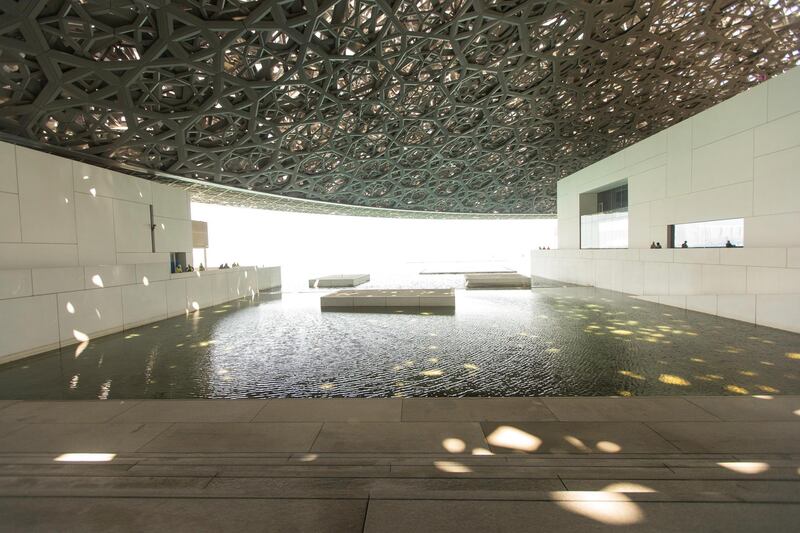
(58, 212)
(77, 260)
(47, 308)
(739, 159)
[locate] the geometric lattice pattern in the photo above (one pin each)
(474, 106)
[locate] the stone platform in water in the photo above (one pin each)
(498, 281)
(340, 280)
(390, 299)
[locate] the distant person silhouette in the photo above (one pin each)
(658, 245)
(652, 245)
(729, 244)
(685, 244)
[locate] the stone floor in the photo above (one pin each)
(426, 464)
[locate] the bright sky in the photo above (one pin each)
(330, 244)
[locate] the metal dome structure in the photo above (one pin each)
(452, 106)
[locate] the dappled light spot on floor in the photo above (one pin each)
(481, 451)
(454, 445)
(452, 467)
(85, 457)
(793, 355)
(514, 439)
(608, 447)
(743, 467)
(308, 457)
(577, 443)
(611, 508)
(627, 486)
(431, 373)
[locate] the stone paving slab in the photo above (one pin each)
(626, 409)
(181, 515)
(732, 437)
(235, 437)
(338, 280)
(421, 516)
(390, 299)
(573, 437)
(58, 412)
(429, 437)
(497, 281)
(331, 410)
(418, 464)
(756, 408)
(475, 409)
(80, 438)
(192, 411)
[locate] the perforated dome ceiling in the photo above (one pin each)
(436, 105)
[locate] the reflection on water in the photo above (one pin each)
(554, 342)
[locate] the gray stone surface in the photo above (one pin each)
(497, 281)
(390, 298)
(403, 437)
(235, 437)
(338, 280)
(732, 437)
(296, 467)
(331, 409)
(192, 411)
(388, 516)
(626, 409)
(78, 438)
(181, 515)
(55, 412)
(750, 407)
(574, 437)
(474, 409)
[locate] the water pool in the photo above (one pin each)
(544, 342)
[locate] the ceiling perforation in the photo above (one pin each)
(465, 106)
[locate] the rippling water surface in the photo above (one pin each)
(549, 341)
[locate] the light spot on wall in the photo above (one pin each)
(97, 280)
(80, 336)
(70, 308)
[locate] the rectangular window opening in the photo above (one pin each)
(604, 218)
(727, 233)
